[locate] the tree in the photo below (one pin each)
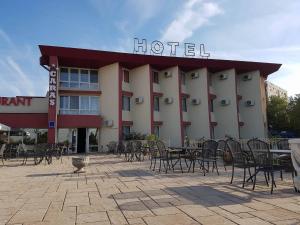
(294, 113)
(277, 113)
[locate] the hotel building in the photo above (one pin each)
(96, 97)
(274, 90)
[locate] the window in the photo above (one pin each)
(79, 78)
(126, 103)
(94, 104)
(183, 78)
(74, 78)
(185, 131)
(84, 79)
(156, 103)
(125, 131)
(64, 102)
(211, 105)
(74, 102)
(156, 131)
(85, 105)
(126, 76)
(155, 77)
(184, 104)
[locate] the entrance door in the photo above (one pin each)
(81, 140)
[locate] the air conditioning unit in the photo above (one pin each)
(168, 74)
(169, 100)
(223, 76)
(247, 77)
(194, 75)
(225, 102)
(108, 123)
(139, 100)
(196, 101)
(250, 103)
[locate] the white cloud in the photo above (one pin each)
(144, 9)
(193, 15)
(5, 37)
(288, 78)
(20, 77)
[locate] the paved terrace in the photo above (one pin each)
(117, 192)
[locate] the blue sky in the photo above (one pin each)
(256, 30)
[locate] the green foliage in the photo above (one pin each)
(135, 136)
(152, 137)
(284, 115)
(277, 113)
(294, 113)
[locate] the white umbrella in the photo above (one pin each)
(4, 127)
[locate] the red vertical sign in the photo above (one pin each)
(52, 100)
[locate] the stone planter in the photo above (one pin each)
(295, 146)
(80, 163)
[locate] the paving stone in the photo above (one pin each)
(113, 191)
(178, 219)
(92, 217)
(215, 220)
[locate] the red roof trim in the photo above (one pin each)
(95, 59)
(127, 93)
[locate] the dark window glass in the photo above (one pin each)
(84, 75)
(183, 78)
(125, 130)
(155, 77)
(211, 105)
(126, 103)
(126, 76)
(184, 104)
(156, 103)
(156, 131)
(64, 74)
(94, 76)
(74, 76)
(74, 102)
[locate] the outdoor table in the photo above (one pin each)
(181, 150)
(272, 152)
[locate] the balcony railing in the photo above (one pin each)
(76, 85)
(78, 112)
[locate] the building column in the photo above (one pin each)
(53, 90)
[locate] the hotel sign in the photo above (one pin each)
(15, 101)
(52, 85)
(158, 48)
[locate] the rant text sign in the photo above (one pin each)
(15, 101)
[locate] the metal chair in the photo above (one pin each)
(263, 161)
(240, 158)
(2, 149)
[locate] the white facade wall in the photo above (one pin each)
(254, 117)
(170, 131)
(109, 102)
(226, 116)
(198, 114)
(140, 86)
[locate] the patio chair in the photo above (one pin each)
(209, 155)
(153, 153)
(2, 149)
(264, 161)
(284, 159)
(164, 156)
(120, 148)
(129, 151)
(224, 153)
(240, 158)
